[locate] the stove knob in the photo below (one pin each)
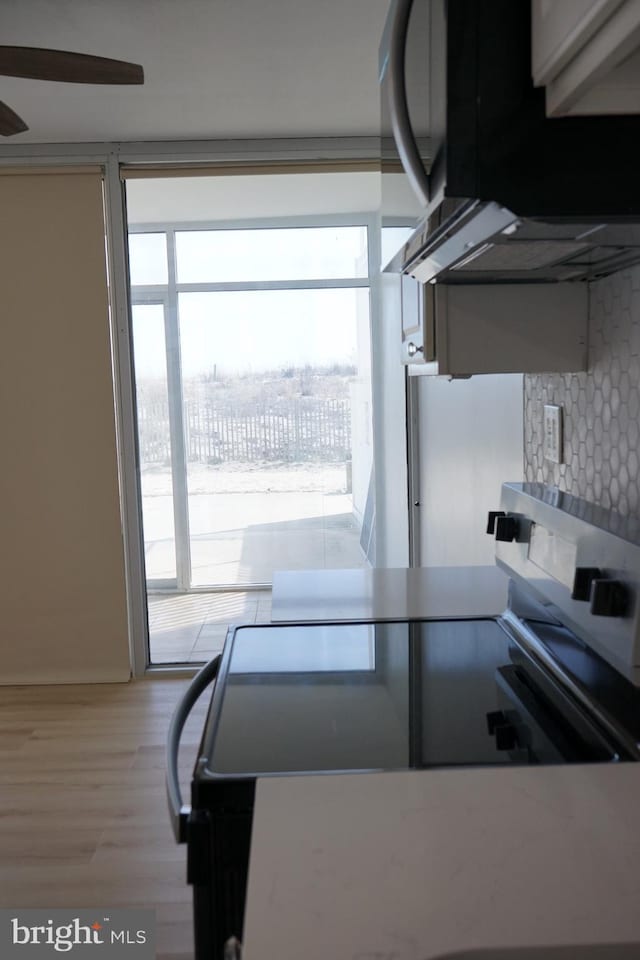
(506, 737)
(582, 580)
(609, 598)
(491, 520)
(500, 727)
(495, 718)
(507, 528)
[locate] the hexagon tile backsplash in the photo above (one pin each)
(601, 408)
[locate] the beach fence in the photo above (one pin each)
(290, 430)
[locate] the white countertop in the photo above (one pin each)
(426, 864)
(392, 593)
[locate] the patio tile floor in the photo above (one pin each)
(191, 627)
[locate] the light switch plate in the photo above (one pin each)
(552, 426)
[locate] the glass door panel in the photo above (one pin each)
(277, 430)
(154, 442)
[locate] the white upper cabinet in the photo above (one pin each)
(587, 54)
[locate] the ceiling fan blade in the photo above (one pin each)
(37, 63)
(10, 122)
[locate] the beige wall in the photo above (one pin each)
(62, 585)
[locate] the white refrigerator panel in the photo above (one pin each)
(471, 441)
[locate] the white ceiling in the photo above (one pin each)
(214, 69)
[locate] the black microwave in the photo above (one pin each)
(500, 192)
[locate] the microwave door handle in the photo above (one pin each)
(179, 812)
(398, 106)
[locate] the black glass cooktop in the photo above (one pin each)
(378, 696)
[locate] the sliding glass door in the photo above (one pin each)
(270, 385)
(252, 371)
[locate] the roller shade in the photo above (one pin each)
(250, 168)
(62, 559)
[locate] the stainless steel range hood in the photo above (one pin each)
(470, 241)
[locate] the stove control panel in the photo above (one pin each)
(580, 560)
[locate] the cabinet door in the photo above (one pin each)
(511, 328)
(559, 30)
(604, 75)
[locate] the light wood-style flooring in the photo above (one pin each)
(83, 814)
